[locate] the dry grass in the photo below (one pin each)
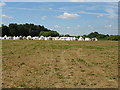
(60, 64)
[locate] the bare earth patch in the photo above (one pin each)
(60, 64)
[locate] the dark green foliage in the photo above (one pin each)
(67, 35)
(49, 33)
(84, 36)
(96, 35)
(5, 30)
(14, 29)
(102, 36)
(114, 37)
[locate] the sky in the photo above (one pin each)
(60, 0)
(74, 18)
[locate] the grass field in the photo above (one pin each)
(60, 64)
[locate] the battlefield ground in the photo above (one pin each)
(59, 64)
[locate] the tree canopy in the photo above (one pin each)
(49, 33)
(102, 36)
(14, 29)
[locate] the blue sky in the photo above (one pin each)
(74, 18)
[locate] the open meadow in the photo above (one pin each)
(60, 64)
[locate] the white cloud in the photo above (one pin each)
(78, 0)
(101, 15)
(35, 0)
(5, 16)
(90, 27)
(108, 26)
(62, 9)
(43, 17)
(50, 8)
(68, 27)
(2, 4)
(111, 13)
(68, 16)
(61, 0)
(92, 13)
(94, 0)
(78, 26)
(56, 26)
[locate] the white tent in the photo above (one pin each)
(87, 39)
(81, 39)
(5, 37)
(29, 38)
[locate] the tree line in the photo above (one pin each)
(102, 36)
(14, 29)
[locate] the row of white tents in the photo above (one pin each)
(48, 38)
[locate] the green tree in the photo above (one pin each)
(5, 30)
(49, 33)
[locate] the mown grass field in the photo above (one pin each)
(60, 64)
